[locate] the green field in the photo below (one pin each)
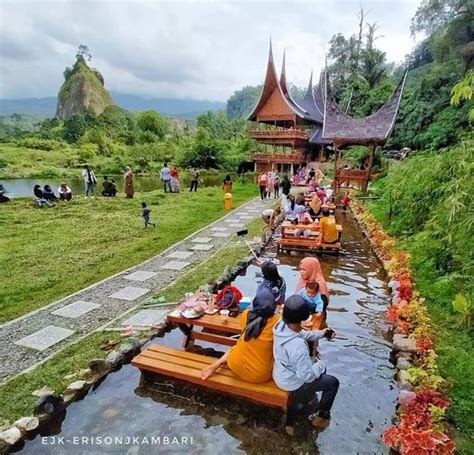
(48, 253)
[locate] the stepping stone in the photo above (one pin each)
(233, 220)
(205, 247)
(239, 226)
(45, 338)
(219, 229)
(140, 276)
(129, 293)
(221, 234)
(145, 318)
(180, 254)
(247, 217)
(76, 309)
(175, 265)
(201, 240)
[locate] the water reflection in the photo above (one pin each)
(359, 357)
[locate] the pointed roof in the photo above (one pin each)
(270, 86)
(373, 129)
(308, 103)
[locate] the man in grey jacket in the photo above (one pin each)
(295, 371)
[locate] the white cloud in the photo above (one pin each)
(187, 49)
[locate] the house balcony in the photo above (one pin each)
(279, 135)
(283, 158)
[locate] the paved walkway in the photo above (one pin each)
(27, 340)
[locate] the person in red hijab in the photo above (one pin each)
(310, 270)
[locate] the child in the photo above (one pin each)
(345, 201)
(312, 297)
(146, 215)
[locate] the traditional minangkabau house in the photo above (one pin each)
(298, 133)
(343, 130)
(290, 131)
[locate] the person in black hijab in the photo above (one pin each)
(273, 282)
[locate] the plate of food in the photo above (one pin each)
(192, 313)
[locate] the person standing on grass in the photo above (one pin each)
(194, 179)
(276, 187)
(128, 183)
(174, 174)
(146, 215)
(227, 184)
(89, 181)
(262, 185)
(166, 177)
(285, 185)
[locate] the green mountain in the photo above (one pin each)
(83, 90)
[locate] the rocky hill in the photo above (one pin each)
(83, 89)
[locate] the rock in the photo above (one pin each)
(404, 381)
(43, 391)
(161, 299)
(26, 424)
(99, 366)
(76, 386)
(403, 364)
(394, 285)
(405, 397)
(403, 343)
(131, 346)
(48, 404)
(8, 438)
(114, 358)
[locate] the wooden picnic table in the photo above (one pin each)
(217, 328)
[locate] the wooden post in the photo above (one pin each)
(336, 166)
(369, 167)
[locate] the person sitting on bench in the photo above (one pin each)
(295, 371)
(251, 359)
(328, 231)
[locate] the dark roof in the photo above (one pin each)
(316, 136)
(308, 103)
(271, 84)
(373, 129)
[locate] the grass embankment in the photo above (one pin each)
(426, 202)
(48, 253)
(16, 399)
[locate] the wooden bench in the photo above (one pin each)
(187, 366)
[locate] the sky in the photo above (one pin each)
(182, 49)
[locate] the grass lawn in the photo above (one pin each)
(48, 253)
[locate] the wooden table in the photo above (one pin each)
(314, 227)
(218, 329)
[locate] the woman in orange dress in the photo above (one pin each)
(252, 357)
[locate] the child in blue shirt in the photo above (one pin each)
(312, 297)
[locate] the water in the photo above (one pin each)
(359, 357)
(24, 187)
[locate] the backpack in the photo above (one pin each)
(228, 299)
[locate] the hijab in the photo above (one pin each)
(263, 307)
(313, 266)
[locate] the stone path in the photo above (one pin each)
(37, 335)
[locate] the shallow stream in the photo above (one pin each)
(359, 357)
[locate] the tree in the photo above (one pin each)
(83, 52)
(373, 63)
(242, 101)
(463, 91)
(153, 122)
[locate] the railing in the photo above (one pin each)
(293, 157)
(278, 134)
(352, 174)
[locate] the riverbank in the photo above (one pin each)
(431, 222)
(48, 253)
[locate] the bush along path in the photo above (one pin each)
(422, 427)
